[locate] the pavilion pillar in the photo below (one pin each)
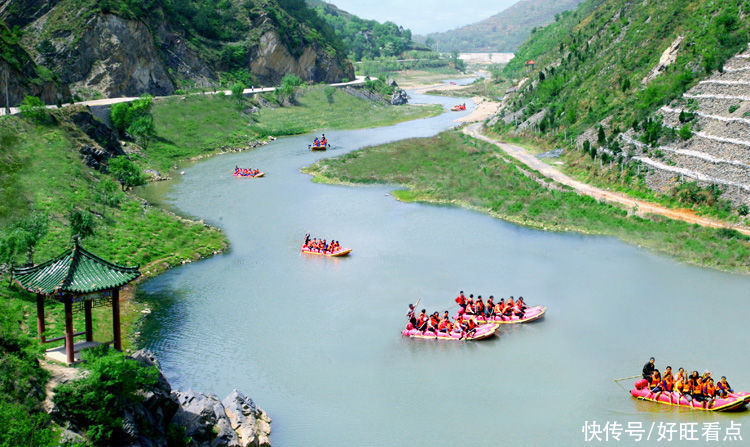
(89, 325)
(69, 343)
(40, 317)
(116, 318)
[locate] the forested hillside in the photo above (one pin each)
(658, 86)
(118, 47)
(364, 39)
(503, 32)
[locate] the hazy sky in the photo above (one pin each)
(425, 16)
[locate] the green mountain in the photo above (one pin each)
(503, 32)
(120, 47)
(362, 38)
(661, 85)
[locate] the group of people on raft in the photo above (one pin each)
(320, 142)
(440, 324)
(489, 309)
(693, 387)
(246, 172)
(320, 245)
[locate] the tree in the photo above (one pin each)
(33, 108)
(601, 138)
(142, 129)
(126, 172)
(288, 89)
(430, 43)
(23, 236)
(237, 90)
(82, 223)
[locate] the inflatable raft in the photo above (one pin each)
(335, 254)
(531, 314)
(733, 402)
(258, 175)
(318, 148)
(458, 108)
(483, 331)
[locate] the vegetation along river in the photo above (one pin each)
(316, 341)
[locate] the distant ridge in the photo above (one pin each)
(503, 32)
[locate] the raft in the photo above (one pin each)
(483, 331)
(458, 108)
(733, 402)
(336, 254)
(258, 175)
(531, 314)
(318, 148)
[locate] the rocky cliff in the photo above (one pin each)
(207, 421)
(113, 51)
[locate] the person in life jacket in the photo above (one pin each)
(443, 325)
(489, 308)
(679, 385)
(723, 388)
(709, 390)
(479, 306)
(696, 388)
(422, 321)
(654, 383)
(324, 141)
(666, 384)
(471, 328)
(433, 322)
(461, 299)
(470, 305)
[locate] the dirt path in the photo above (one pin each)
(639, 207)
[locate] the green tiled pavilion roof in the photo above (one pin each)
(76, 271)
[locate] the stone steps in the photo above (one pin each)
(662, 177)
(742, 75)
(734, 127)
(733, 173)
(722, 88)
(737, 62)
(721, 154)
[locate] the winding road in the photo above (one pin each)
(638, 207)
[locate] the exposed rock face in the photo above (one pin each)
(235, 421)
(667, 58)
(23, 81)
(116, 57)
(365, 94)
(104, 135)
(273, 60)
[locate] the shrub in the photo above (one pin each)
(733, 108)
(95, 403)
(142, 129)
(686, 132)
(82, 223)
(237, 89)
(743, 210)
(33, 109)
(123, 114)
(126, 172)
(329, 91)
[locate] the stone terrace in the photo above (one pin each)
(719, 150)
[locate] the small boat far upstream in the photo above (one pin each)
(251, 173)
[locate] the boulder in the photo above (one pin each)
(251, 423)
(399, 98)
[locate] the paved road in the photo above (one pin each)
(640, 207)
(248, 91)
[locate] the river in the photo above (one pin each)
(316, 342)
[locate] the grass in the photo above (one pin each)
(347, 112)
(194, 125)
(456, 169)
(46, 174)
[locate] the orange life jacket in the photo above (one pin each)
(472, 324)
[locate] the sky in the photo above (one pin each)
(425, 16)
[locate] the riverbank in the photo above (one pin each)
(456, 169)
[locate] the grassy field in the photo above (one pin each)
(456, 169)
(43, 171)
(195, 125)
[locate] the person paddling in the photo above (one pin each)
(648, 369)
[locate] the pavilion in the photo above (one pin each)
(76, 276)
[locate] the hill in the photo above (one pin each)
(503, 32)
(364, 39)
(605, 72)
(123, 48)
